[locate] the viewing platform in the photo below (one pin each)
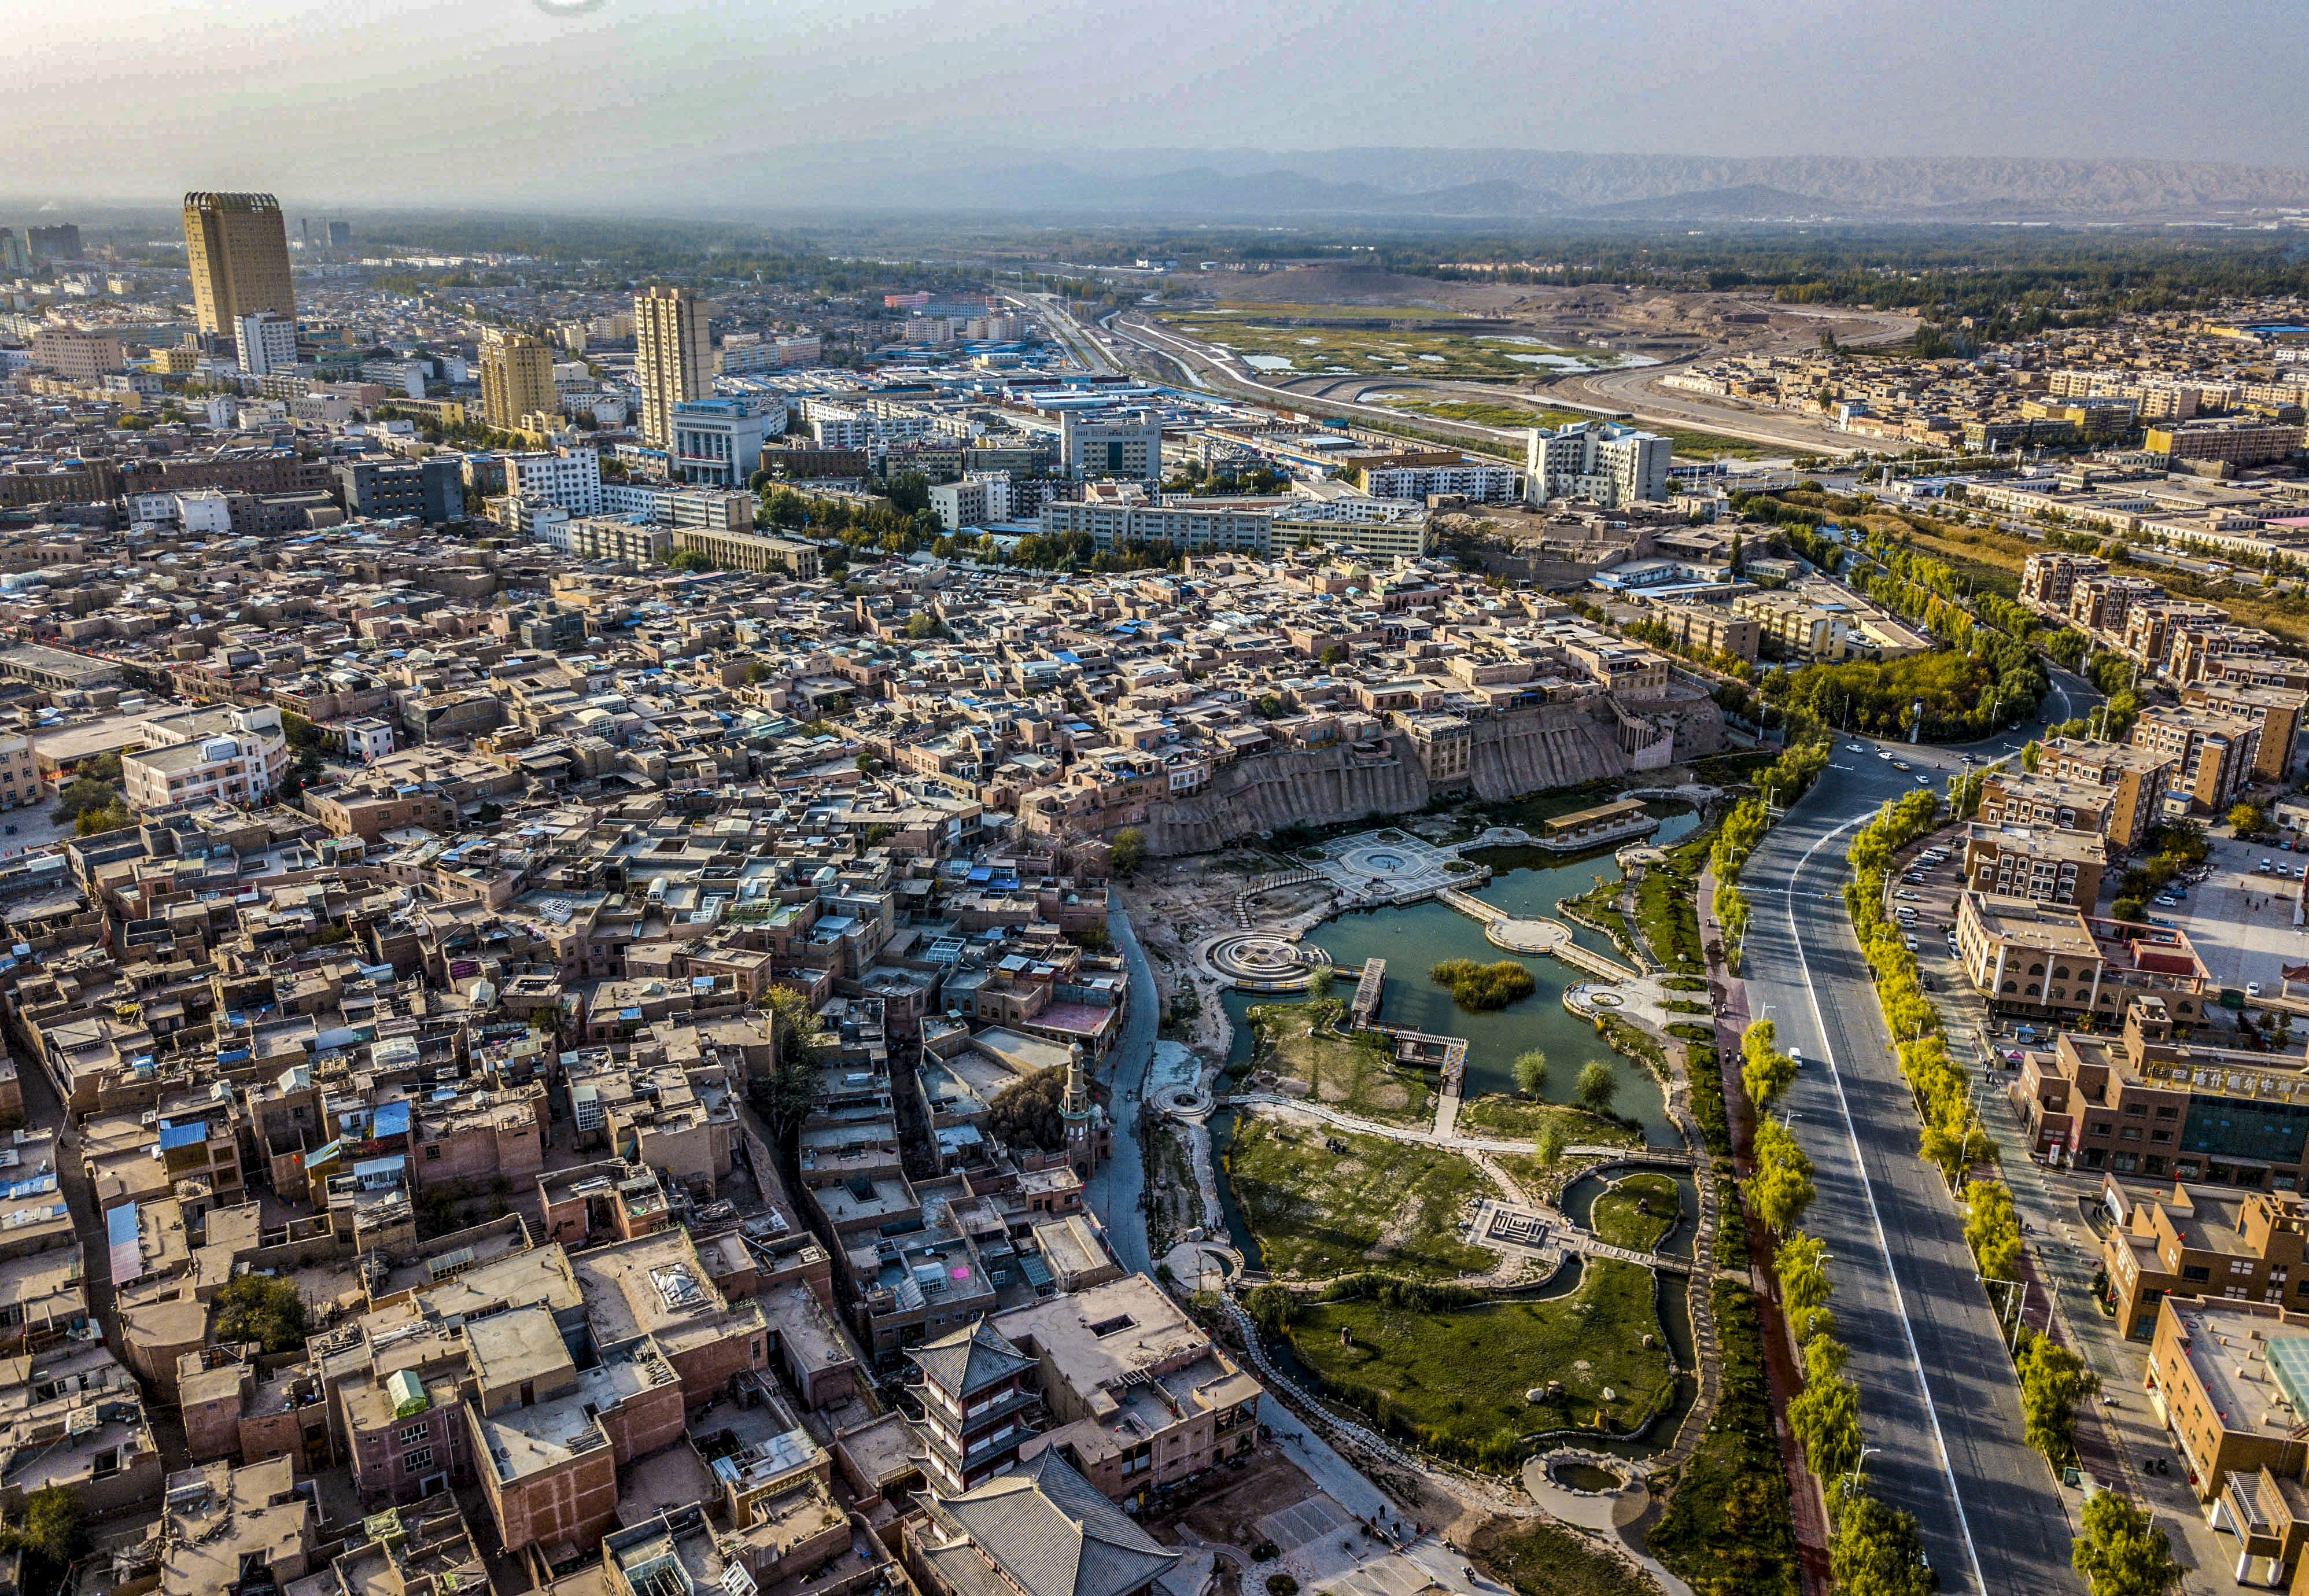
(1549, 937)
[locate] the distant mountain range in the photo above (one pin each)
(1533, 185)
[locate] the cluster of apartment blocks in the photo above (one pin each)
(2241, 698)
(374, 1047)
(2198, 388)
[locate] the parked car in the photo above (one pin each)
(1906, 897)
(2252, 989)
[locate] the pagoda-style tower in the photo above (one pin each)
(1081, 1117)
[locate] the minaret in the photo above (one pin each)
(1082, 1137)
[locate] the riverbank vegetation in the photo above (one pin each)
(1729, 1527)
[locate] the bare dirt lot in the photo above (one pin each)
(1228, 1513)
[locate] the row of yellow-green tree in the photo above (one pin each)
(2121, 1552)
(1782, 783)
(1872, 1547)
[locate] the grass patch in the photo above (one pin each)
(1349, 1074)
(1544, 1559)
(1298, 334)
(1496, 1114)
(1707, 445)
(1317, 1213)
(1729, 1519)
(1482, 412)
(1453, 1381)
(1298, 310)
(1686, 1030)
(1667, 904)
(1620, 1218)
(1685, 983)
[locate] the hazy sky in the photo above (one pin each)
(677, 101)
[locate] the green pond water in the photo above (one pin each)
(1413, 937)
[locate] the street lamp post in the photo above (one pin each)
(1852, 1477)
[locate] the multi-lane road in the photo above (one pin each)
(1937, 1391)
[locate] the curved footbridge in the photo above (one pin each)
(1549, 937)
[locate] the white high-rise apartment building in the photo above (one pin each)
(1613, 464)
(267, 343)
(569, 478)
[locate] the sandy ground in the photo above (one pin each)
(1174, 903)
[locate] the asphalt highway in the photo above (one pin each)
(1938, 1394)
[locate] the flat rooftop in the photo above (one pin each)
(2055, 928)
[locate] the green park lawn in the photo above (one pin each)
(1317, 1213)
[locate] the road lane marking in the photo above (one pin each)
(1876, 1219)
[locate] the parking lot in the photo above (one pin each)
(2239, 919)
(1930, 891)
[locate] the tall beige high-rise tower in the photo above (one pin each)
(517, 377)
(237, 247)
(675, 356)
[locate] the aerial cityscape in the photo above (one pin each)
(980, 805)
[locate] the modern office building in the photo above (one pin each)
(1111, 444)
(1711, 628)
(432, 490)
(60, 241)
(15, 253)
(237, 247)
(1599, 460)
(1184, 531)
(516, 378)
(571, 479)
(340, 235)
(674, 357)
(749, 552)
(2176, 1242)
(2152, 1103)
(2236, 443)
(266, 342)
(69, 352)
(1803, 630)
(710, 508)
(975, 501)
(718, 442)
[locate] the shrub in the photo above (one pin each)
(1482, 987)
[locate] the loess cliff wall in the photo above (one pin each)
(1558, 745)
